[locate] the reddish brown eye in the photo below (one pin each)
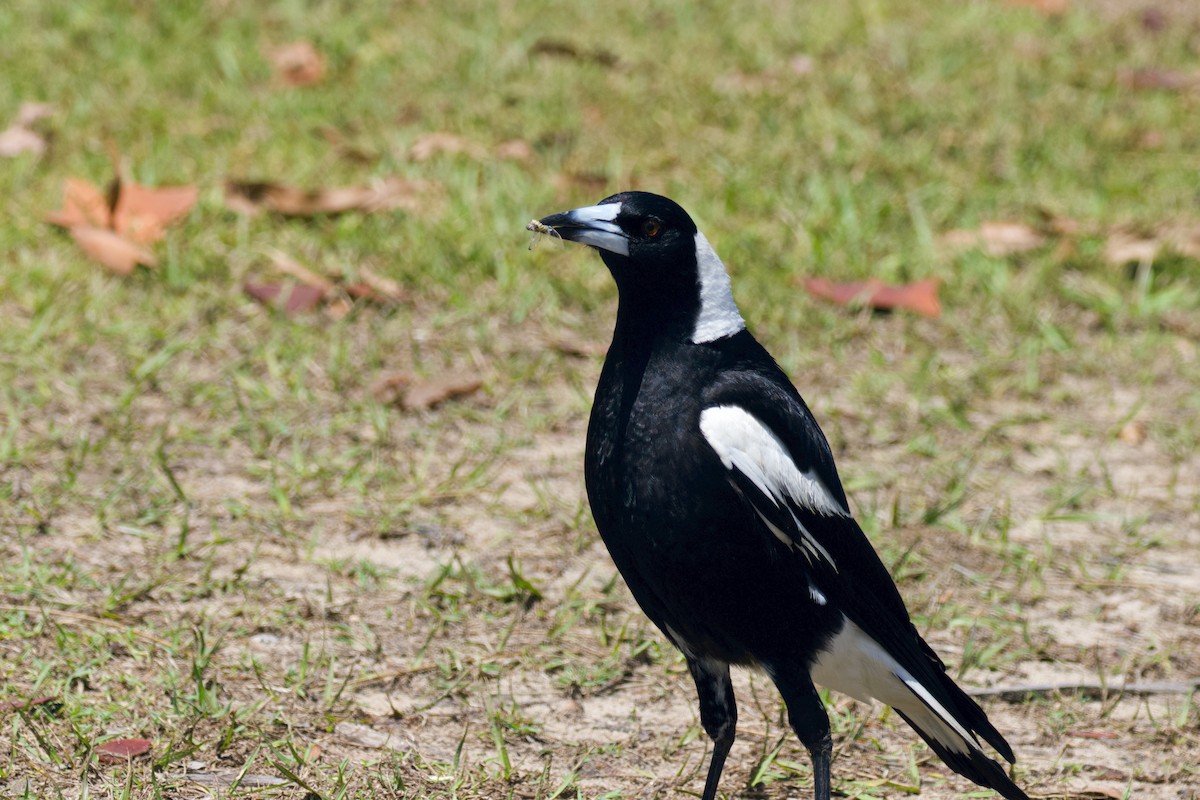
(651, 228)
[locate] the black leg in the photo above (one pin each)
(718, 714)
(808, 719)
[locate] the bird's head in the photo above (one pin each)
(631, 228)
(657, 257)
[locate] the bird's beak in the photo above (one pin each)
(590, 225)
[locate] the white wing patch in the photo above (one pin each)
(744, 443)
(855, 664)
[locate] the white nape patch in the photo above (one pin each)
(855, 664)
(600, 230)
(719, 316)
(743, 442)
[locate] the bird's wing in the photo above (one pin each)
(781, 465)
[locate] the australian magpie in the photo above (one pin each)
(716, 493)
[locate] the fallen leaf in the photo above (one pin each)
(119, 750)
(1123, 247)
(561, 48)
(250, 197)
(312, 289)
(434, 392)
(30, 113)
(1110, 774)
(1171, 80)
(20, 137)
(998, 239)
(389, 389)
(439, 143)
(297, 64)
(142, 213)
(17, 140)
(802, 65)
(1127, 244)
(21, 705)
(297, 298)
(412, 395)
(110, 228)
(83, 204)
(515, 150)
(110, 250)
(920, 296)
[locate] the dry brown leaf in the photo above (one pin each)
(313, 289)
(297, 64)
(111, 250)
(1126, 245)
(515, 150)
(17, 140)
(1123, 247)
(802, 65)
(1171, 80)
(83, 204)
(20, 705)
(996, 238)
(389, 389)
(920, 296)
(290, 298)
(20, 137)
(29, 113)
(121, 750)
(434, 392)
(1183, 238)
(142, 213)
(338, 308)
(249, 197)
(441, 143)
(413, 395)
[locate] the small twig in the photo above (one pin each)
(1020, 692)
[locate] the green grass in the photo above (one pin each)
(213, 537)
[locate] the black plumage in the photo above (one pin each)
(716, 493)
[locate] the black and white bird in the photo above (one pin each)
(717, 496)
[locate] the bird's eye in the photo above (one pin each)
(651, 228)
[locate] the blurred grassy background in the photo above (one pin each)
(162, 435)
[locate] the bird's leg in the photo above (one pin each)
(718, 714)
(808, 719)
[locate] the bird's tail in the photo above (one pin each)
(951, 735)
(945, 716)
